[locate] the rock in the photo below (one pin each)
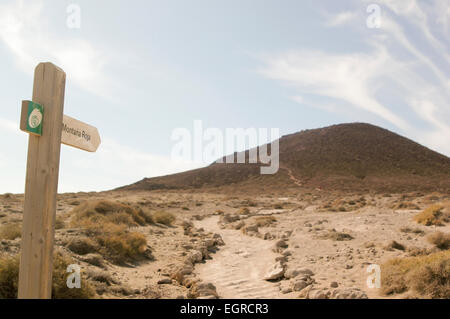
(286, 234)
(239, 225)
(286, 290)
(195, 256)
(267, 236)
(188, 281)
(228, 218)
(299, 285)
(165, 281)
(291, 273)
(179, 273)
(207, 297)
(319, 294)
(304, 293)
(349, 293)
(210, 245)
(151, 293)
(187, 227)
(287, 253)
(218, 239)
(305, 271)
(281, 244)
(334, 284)
(250, 229)
(205, 290)
(275, 272)
(281, 259)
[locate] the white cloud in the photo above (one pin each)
(356, 79)
(9, 125)
(23, 29)
(340, 18)
(348, 77)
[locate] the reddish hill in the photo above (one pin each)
(344, 157)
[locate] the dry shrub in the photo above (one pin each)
(395, 245)
(59, 222)
(59, 284)
(428, 276)
(433, 215)
(163, 217)
(82, 245)
(11, 231)
(103, 211)
(244, 211)
(406, 205)
(335, 235)
(264, 221)
(409, 230)
(122, 246)
(440, 240)
(118, 244)
(107, 224)
(9, 277)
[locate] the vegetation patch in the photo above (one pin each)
(426, 276)
(244, 211)
(433, 215)
(107, 224)
(440, 240)
(406, 205)
(395, 245)
(335, 235)
(163, 217)
(9, 277)
(103, 211)
(344, 205)
(410, 230)
(11, 231)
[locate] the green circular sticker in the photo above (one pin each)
(35, 118)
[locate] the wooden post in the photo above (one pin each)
(41, 186)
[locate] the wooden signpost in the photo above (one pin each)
(48, 127)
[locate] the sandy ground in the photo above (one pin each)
(237, 268)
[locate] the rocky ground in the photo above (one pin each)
(310, 245)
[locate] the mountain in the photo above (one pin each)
(344, 157)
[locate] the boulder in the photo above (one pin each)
(195, 256)
(276, 271)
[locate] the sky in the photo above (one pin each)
(138, 70)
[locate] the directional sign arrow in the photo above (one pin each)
(80, 135)
(74, 132)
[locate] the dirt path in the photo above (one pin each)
(238, 268)
(292, 177)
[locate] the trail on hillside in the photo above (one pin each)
(238, 268)
(292, 177)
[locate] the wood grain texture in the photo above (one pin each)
(79, 134)
(23, 116)
(41, 185)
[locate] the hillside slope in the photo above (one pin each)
(344, 157)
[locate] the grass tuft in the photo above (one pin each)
(433, 215)
(11, 231)
(9, 277)
(427, 276)
(440, 240)
(163, 217)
